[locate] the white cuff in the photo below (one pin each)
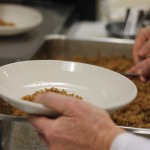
(128, 141)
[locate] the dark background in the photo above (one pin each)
(87, 9)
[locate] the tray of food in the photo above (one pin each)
(114, 54)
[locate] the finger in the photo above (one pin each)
(138, 71)
(143, 69)
(144, 52)
(132, 69)
(140, 40)
(146, 68)
(42, 124)
(143, 79)
(57, 102)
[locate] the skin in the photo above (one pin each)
(141, 49)
(80, 126)
(143, 69)
(141, 54)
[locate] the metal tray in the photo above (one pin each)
(57, 46)
(61, 46)
(22, 136)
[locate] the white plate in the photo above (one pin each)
(99, 86)
(24, 18)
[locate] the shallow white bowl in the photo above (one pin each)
(25, 18)
(98, 86)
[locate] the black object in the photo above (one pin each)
(87, 9)
(118, 29)
(115, 29)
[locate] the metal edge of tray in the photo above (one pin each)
(57, 46)
(139, 131)
(95, 39)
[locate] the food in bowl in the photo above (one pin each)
(6, 23)
(53, 89)
(31, 98)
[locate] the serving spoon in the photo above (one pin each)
(128, 74)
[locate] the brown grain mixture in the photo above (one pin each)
(5, 23)
(32, 98)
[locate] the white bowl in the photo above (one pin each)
(24, 18)
(98, 86)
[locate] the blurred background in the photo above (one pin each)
(75, 18)
(93, 17)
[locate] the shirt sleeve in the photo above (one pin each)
(128, 141)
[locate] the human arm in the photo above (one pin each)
(141, 49)
(81, 126)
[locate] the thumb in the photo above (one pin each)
(57, 102)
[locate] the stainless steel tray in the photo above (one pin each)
(59, 45)
(22, 134)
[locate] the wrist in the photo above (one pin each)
(106, 137)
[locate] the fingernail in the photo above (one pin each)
(143, 79)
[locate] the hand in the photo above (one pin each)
(81, 126)
(143, 69)
(141, 49)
